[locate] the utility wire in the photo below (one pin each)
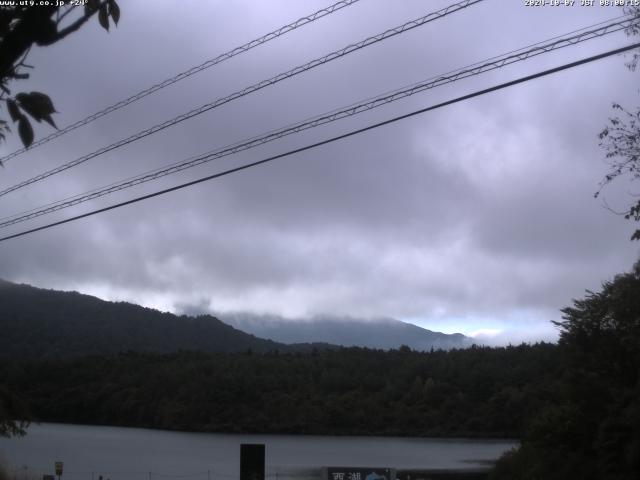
(187, 73)
(465, 72)
(246, 91)
(582, 34)
(354, 109)
(329, 140)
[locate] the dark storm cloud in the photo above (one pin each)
(476, 216)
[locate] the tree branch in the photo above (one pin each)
(20, 38)
(75, 25)
(67, 12)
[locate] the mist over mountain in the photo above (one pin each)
(381, 333)
(40, 323)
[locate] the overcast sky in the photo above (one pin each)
(475, 217)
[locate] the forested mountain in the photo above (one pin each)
(59, 358)
(37, 323)
(384, 333)
(43, 323)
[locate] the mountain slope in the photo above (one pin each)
(38, 323)
(381, 333)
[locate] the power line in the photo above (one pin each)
(354, 109)
(246, 91)
(187, 73)
(330, 140)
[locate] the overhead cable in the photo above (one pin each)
(187, 73)
(354, 109)
(248, 90)
(327, 141)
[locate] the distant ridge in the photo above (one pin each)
(38, 323)
(383, 333)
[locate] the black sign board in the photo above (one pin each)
(359, 473)
(252, 461)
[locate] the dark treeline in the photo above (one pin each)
(473, 392)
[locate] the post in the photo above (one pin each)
(252, 461)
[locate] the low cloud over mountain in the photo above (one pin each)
(384, 333)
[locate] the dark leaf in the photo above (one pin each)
(49, 120)
(45, 31)
(25, 131)
(36, 104)
(91, 6)
(14, 111)
(114, 11)
(103, 17)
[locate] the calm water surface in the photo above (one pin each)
(140, 454)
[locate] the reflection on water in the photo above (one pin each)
(89, 452)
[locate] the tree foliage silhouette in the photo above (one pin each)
(621, 138)
(22, 27)
(591, 429)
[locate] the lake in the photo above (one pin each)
(141, 454)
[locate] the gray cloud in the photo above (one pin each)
(477, 216)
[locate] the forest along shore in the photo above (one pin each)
(472, 393)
